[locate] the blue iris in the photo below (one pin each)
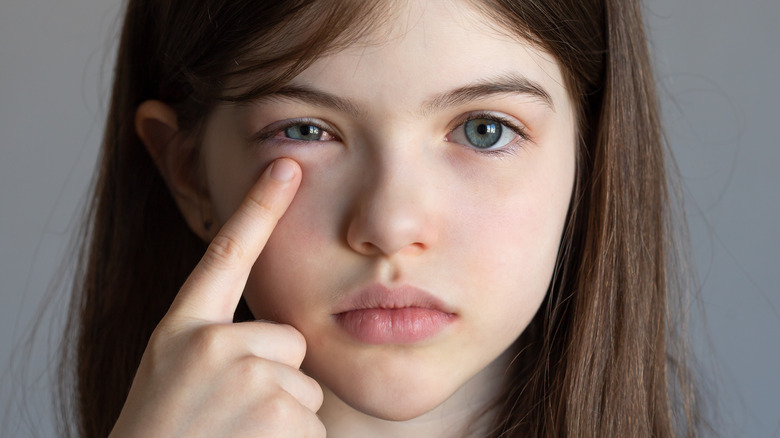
(303, 132)
(482, 133)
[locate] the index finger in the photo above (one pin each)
(214, 287)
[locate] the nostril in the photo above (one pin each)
(414, 248)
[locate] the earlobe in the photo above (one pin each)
(176, 157)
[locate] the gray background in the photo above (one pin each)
(718, 64)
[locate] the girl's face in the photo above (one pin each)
(438, 161)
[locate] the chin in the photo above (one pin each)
(391, 405)
(396, 407)
(392, 389)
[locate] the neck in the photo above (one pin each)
(466, 413)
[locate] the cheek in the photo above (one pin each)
(511, 267)
(288, 274)
(516, 215)
(514, 233)
(512, 248)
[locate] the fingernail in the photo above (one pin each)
(282, 170)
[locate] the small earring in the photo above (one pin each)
(207, 225)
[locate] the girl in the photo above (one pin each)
(412, 218)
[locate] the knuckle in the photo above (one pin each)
(253, 371)
(207, 341)
(224, 251)
(317, 396)
(296, 344)
(280, 408)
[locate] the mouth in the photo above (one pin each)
(400, 315)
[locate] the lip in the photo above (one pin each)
(405, 314)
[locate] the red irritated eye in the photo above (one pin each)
(297, 130)
(306, 132)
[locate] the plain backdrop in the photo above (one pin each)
(718, 66)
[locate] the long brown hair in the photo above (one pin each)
(599, 359)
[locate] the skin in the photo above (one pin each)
(395, 195)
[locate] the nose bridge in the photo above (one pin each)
(394, 209)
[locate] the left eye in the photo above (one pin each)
(483, 134)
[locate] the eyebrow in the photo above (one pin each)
(311, 95)
(506, 84)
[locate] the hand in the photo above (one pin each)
(204, 376)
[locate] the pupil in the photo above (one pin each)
(483, 133)
(305, 130)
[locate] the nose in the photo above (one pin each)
(394, 211)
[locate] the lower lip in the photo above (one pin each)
(394, 326)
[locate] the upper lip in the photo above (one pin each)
(379, 296)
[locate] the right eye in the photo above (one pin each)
(306, 132)
(297, 130)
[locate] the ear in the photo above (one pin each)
(176, 157)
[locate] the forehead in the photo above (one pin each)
(428, 47)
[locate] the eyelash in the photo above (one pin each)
(508, 149)
(275, 129)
